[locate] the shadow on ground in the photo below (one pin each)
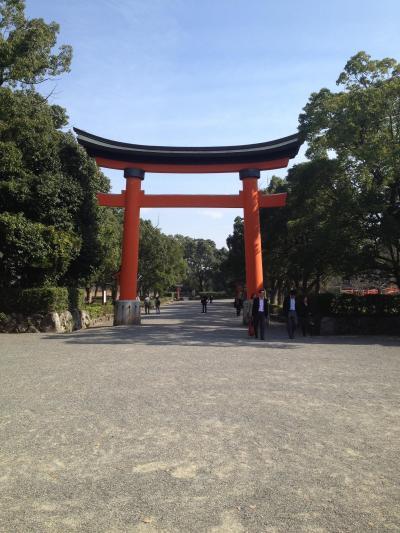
(184, 324)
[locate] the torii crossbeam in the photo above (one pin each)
(135, 160)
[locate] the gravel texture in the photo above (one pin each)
(185, 424)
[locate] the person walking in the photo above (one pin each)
(305, 316)
(260, 314)
(204, 300)
(238, 305)
(290, 308)
(157, 303)
(147, 305)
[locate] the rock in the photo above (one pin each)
(81, 319)
(36, 319)
(66, 322)
(22, 327)
(51, 323)
(85, 319)
(32, 329)
(10, 325)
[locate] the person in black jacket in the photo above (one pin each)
(259, 314)
(290, 308)
(238, 305)
(305, 316)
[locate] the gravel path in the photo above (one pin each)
(185, 424)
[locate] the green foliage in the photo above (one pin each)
(32, 253)
(96, 310)
(161, 263)
(234, 267)
(49, 219)
(360, 126)
(50, 222)
(349, 305)
(26, 56)
(203, 261)
(41, 299)
(44, 300)
(109, 245)
(343, 210)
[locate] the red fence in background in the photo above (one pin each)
(367, 292)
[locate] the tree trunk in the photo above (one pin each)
(88, 295)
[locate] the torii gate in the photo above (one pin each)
(136, 159)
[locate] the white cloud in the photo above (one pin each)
(211, 213)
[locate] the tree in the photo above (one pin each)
(109, 247)
(360, 127)
(203, 262)
(32, 253)
(26, 56)
(50, 218)
(47, 194)
(235, 261)
(322, 225)
(161, 264)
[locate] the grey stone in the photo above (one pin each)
(66, 322)
(127, 313)
(85, 319)
(51, 323)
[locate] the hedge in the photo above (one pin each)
(41, 300)
(342, 305)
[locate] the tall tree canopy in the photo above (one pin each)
(49, 219)
(360, 127)
(26, 46)
(343, 208)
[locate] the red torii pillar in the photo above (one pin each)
(130, 242)
(252, 235)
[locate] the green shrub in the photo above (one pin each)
(342, 305)
(44, 300)
(96, 310)
(41, 300)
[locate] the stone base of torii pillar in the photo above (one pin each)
(126, 312)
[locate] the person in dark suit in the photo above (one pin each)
(290, 309)
(305, 316)
(260, 314)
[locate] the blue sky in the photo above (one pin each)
(202, 72)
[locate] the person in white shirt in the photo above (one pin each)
(259, 314)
